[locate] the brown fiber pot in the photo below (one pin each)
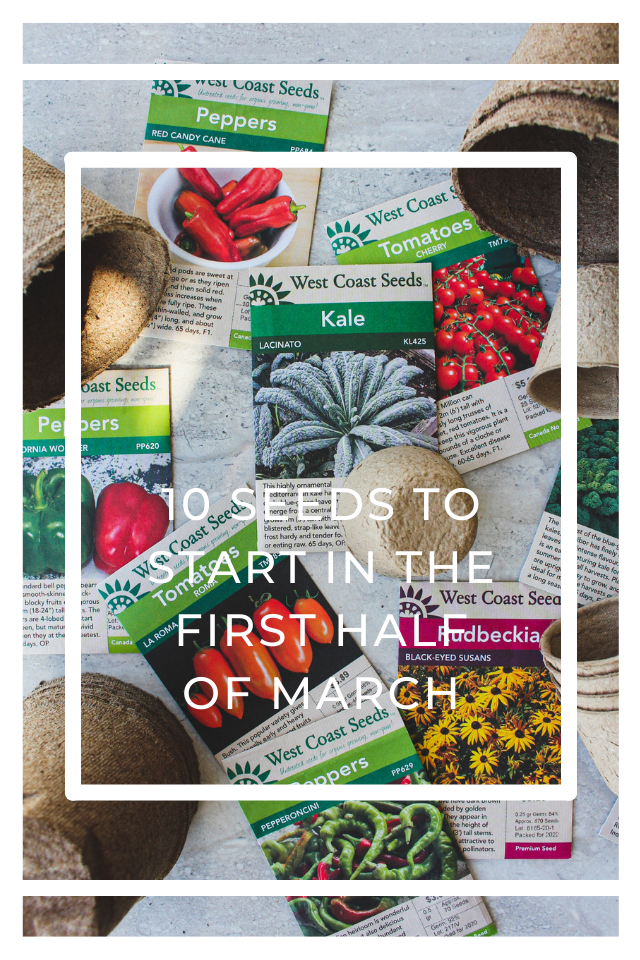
(598, 359)
(128, 737)
(125, 269)
(550, 115)
(597, 681)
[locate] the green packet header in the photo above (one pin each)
(250, 113)
(427, 224)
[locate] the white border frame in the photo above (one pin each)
(74, 164)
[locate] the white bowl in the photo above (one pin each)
(162, 218)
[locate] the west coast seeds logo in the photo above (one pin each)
(120, 597)
(170, 88)
(344, 238)
(246, 774)
(265, 292)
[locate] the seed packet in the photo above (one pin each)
(393, 916)
(356, 840)
(126, 458)
(343, 365)
(206, 301)
(598, 541)
(496, 718)
(490, 318)
(329, 744)
(512, 829)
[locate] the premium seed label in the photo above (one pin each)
(490, 318)
(495, 717)
(207, 300)
(343, 365)
(598, 532)
(126, 462)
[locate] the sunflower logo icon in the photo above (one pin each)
(246, 775)
(266, 292)
(170, 88)
(120, 597)
(414, 604)
(344, 238)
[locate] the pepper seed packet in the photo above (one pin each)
(126, 461)
(343, 364)
(253, 740)
(393, 917)
(598, 531)
(497, 719)
(489, 313)
(207, 300)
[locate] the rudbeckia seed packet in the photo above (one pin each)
(496, 717)
(598, 532)
(207, 300)
(343, 365)
(490, 318)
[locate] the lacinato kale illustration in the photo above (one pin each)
(598, 477)
(322, 415)
(553, 503)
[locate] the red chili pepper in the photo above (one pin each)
(406, 779)
(210, 663)
(213, 237)
(254, 662)
(393, 822)
(228, 187)
(188, 149)
(254, 187)
(203, 182)
(323, 871)
(341, 911)
(392, 861)
(251, 247)
(211, 717)
(290, 654)
(335, 874)
(278, 212)
(188, 201)
(128, 521)
(335, 862)
(188, 244)
(362, 848)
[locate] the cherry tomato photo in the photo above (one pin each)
(484, 321)
(470, 373)
(441, 274)
(463, 342)
(509, 359)
(495, 375)
(438, 311)
(444, 341)
(448, 376)
(446, 296)
(491, 286)
(211, 717)
(476, 295)
(507, 288)
(486, 360)
(528, 276)
(516, 275)
(536, 303)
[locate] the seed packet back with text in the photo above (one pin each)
(598, 531)
(489, 314)
(270, 213)
(343, 365)
(326, 741)
(126, 466)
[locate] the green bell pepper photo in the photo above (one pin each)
(43, 522)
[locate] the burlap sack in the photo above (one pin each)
(597, 681)
(598, 358)
(125, 268)
(569, 115)
(128, 736)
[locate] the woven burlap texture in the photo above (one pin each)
(125, 266)
(128, 737)
(598, 358)
(569, 43)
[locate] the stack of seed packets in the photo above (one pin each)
(490, 319)
(343, 365)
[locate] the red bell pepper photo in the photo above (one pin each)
(202, 181)
(212, 235)
(279, 212)
(128, 521)
(254, 187)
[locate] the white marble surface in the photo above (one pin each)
(211, 412)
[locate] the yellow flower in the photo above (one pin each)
(452, 775)
(420, 714)
(548, 693)
(508, 678)
(516, 738)
(466, 705)
(469, 680)
(476, 730)
(491, 697)
(484, 761)
(545, 721)
(408, 694)
(547, 778)
(443, 733)
(427, 753)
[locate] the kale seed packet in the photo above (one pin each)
(343, 365)
(490, 318)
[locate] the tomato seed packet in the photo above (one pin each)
(598, 530)
(324, 743)
(497, 717)
(343, 365)
(206, 302)
(489, 315)
(126, 427)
